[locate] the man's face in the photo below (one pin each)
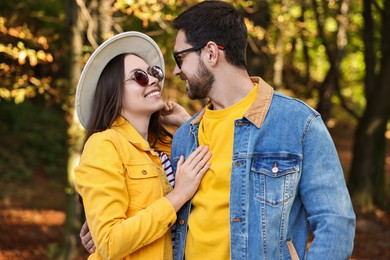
(199, 79)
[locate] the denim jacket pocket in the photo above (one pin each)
(143, 185)
(275, 178)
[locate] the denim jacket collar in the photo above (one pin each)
(257, 112)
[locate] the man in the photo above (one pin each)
(275, 174)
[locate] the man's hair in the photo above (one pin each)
(219, 22)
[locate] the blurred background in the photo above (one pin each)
(333, 54)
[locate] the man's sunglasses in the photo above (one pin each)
(179, 59)
(142, 78)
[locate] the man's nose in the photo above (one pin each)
(176, 70)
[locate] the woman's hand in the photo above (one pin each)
(174, 114)
(189, 173)
(86, 238)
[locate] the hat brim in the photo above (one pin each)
(127, 42)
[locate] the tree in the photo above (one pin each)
(335, 49)
(73, 208)
(367, 177)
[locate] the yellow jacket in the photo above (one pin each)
(122, 184)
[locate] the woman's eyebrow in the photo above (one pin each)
(131, 71)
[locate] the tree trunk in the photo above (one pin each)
(105, 21)
(92, 21)
(257, 60)
(335, 56)
(73, 207)
(367, 172)
(367, 177)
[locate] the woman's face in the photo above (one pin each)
(140, 101)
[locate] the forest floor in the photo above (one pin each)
(32, 217)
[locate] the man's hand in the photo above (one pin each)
(86, 238)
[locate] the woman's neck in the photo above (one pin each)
(141, 124)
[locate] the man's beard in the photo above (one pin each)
(199, 85)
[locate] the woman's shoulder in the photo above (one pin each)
(102, 137)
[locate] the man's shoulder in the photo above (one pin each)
(186, 125)
(284, 101)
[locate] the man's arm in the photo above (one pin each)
(86, 238)
(325, 196)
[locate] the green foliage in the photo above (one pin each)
(53, 250)
(33, 60)
(31, 49)
(33, 141)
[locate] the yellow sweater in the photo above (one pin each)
(209, 230)
(123, 185)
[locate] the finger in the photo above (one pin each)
(84, 229)
(165, 108)
(198, 157)
(90, 245)
(180, 162)
(202, 171)
(85, 240)
(88, 236)
(195, 153)
(168, 105)
(202, 161)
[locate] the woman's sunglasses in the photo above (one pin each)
(142, 78)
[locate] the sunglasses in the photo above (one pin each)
(142, 78)
(179, 59)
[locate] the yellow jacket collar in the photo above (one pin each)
(123, 127)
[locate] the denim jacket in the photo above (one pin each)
(286, 181)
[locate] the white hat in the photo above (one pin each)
(127, 42)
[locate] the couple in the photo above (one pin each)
(255, 170)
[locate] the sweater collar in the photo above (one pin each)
(258, 110)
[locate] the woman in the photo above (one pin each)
(129, 203)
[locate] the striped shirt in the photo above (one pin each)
(166, 164)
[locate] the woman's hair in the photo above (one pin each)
(219, 22)
(107, 103)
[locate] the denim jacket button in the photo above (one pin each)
(181, 221)
(275, 169)
(238, 163)
(236, 219)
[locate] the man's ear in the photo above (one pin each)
(212, 52)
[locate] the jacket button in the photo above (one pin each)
(239, 163)
(181, 221)
(275, 169)
(144, 172)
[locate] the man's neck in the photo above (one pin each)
(230, 86)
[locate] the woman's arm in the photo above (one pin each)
(174, 114)
(101, 180)
(106, 211)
